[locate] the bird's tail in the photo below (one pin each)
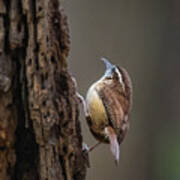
(114, 145)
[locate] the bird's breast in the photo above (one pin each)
(96, 108)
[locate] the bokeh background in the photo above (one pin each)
(144, 37)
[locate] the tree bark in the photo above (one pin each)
(40, 134)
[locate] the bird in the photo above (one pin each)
(108, 104)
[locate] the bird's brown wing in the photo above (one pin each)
(128, 87)
(115, 103)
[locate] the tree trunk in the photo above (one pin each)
(40, 135)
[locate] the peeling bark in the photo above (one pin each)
(40, 135)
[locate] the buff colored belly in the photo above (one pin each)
(96, 109)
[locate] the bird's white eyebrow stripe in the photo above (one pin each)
(119, 75)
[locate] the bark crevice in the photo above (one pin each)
(6, 26)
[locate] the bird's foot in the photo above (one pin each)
(89, 149)
(80, 98)
(85, 150)
(94, 146)
(83, 102)
(85, 147)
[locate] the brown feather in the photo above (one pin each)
(114, 146)
(117, 102)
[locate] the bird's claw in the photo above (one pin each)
(85, 147)
(85, 150)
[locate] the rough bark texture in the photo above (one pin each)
(40, 136)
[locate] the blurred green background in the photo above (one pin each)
(144, 37)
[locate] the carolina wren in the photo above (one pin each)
(108, 103)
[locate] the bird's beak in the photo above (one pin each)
(109, 67)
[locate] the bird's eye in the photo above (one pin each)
(109, 77)
(113, 70)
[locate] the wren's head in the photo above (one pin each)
(113, 74)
